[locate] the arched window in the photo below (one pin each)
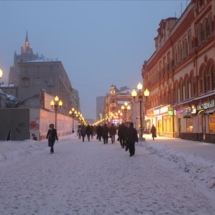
(202, 81)
(205, 29)
(181, 90)
(189, 42)
(175, 57)
(176, 97)
(186, 85)
(191, 85)
(199, 34)
(212, 76)
(185, 48)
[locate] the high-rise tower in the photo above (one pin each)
(26, 55)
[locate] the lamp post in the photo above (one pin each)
(125, 108)
(56, 105)
(140, 94)
(72, 114)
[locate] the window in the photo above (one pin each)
(187, 90)
(212, 123)
(185, 48)
(211, 74)
(25, 82)
(200, 35)
(38, 80)
(189, 42)
(189, 124)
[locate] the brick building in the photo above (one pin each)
(180, 75)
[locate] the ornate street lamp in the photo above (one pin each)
(56, 105)
(140, 93)
(125, 108)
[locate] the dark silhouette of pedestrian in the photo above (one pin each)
(51, 136)
(99, 132)
(153, 131)
(88, 132)
(112, 132)
(83, 132)
(105, 132)
(131, 138)
(121, 134)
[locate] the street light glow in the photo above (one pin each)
(1, 73)
(146, 92)
(139, 86)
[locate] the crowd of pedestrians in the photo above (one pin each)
(127, 135)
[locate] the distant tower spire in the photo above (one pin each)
(26, 47)
(26, 38)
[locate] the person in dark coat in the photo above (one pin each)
(131, 138)
(112, 132)
(105, 131)
(51, 136)
(83, 132)
(88, 132)
(99, 132)
(153, 131)
(121, 134)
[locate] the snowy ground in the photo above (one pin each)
(165, 177)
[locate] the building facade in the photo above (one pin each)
(113, 102)
(48, 75)
(180, 75)
(75, 101)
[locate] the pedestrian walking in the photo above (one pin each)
(112, 132)
(131, 138)
(121, 135)
(153, 131)
(51, 136)
(83, 132)
(88, 132)
(105, 131)
(99, 132)
(79, 131)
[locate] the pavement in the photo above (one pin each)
(203, 150)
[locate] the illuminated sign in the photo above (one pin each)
(179, 111)
(206, 105)
(161, 110)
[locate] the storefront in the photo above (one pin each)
(207, 120)
(163, 119)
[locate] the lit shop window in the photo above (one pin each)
(189, 124)
(212, 123)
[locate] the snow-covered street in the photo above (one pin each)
(87, 178)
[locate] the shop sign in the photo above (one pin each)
(170, 113)
(179, 111)
(206, 105)
(161, 110)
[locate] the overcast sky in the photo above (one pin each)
(99, 43)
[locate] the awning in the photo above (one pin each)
(188, 115)
(209, 112)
